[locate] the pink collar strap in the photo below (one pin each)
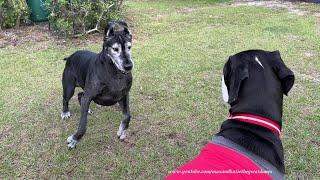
(257, 120)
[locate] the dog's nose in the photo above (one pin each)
(128, 66)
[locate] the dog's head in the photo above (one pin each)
(254, 82)
(117, 45)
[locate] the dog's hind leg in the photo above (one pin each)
(69, 84)
(124, 125)
(80, 94)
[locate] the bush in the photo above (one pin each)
(79, 17)
(13, 12)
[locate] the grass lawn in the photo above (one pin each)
(179, 51)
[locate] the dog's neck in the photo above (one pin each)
(260, 105)
(254, 136)
(257, 139)
(257, 120)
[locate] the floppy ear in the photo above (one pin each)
(235, 72)
(108, 30)
(284, 74)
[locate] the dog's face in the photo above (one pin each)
(118, 44)
(255, 75)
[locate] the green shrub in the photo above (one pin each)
(13, 12)
(79, 17)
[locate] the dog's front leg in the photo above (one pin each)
(124, 103)
(75, 138)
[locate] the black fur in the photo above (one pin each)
(259, 91)
(99, 78)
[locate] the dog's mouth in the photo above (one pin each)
(120, 67)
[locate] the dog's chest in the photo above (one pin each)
(113, 91)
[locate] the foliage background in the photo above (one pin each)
(13, 12)
(79, 17)
(76, 17)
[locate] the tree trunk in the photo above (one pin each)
(18, 20)
(1, 19)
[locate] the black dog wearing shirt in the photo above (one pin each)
(253, 83)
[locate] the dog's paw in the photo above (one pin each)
(71, 142)
(65, 115)
(90, 112)
(122, 133)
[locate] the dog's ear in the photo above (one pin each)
(127, 32)
(235, 72)
(108, 30)
(123, 23)
(125, 27)
(285, 75)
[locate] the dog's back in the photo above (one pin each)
(78, 64)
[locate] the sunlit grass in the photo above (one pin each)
(179, 51)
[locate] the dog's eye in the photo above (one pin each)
(129, 47)
(116, 49)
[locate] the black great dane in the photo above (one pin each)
(105, 78)
(248, 145)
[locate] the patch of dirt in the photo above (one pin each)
(5, 132)
(30, 34)
(175, 138)
(315, 142)
(40, 37)
(315, 77)
(186, 10)
(290, 6)
(309, 54)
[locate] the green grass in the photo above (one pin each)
(179, 51)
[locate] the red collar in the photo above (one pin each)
(258, 120)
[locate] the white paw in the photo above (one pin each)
(65, 115)
(71, 142)
(122, 133)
